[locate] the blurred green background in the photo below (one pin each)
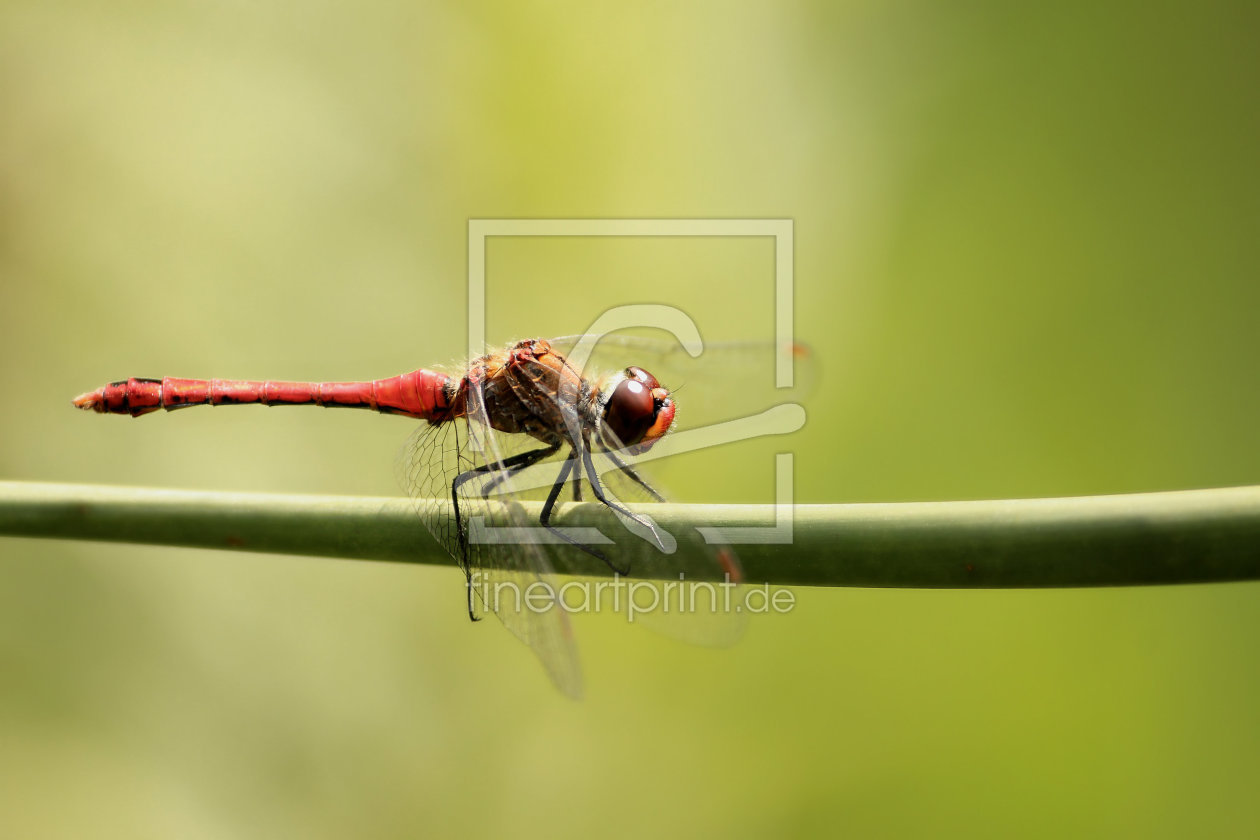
(1026, 250)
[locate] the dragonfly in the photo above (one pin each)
(501, 417)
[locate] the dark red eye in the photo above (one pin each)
(631, 410)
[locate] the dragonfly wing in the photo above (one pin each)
(427, 464)
(696, 583)
(743, 368)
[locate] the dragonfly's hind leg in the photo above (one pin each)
(464, 560)
(472, 601)
(511, 466)
(508, 466)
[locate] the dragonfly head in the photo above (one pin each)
(637, 411)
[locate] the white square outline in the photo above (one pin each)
(781, 230)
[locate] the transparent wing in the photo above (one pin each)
(514, 581)
(511, 567)
(683, 587)
(697, 585)
(736, 377)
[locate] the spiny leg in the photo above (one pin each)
(545, 519)
(527, 460)
(507, 464)
(464, 562)
(508, 467)
(598, 490)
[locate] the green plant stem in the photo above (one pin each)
(1153, 538)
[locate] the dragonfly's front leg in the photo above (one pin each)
(632, 474)
(593, 476)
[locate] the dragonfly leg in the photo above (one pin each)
(633, 474)
(511, 466)
(598, 490)
(472, 602)
(507, 466)
(464, 549)
(545, 520)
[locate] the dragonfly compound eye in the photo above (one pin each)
(638, 412)
(630, 412)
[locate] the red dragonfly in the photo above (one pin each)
(507, 413)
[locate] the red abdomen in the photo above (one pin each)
(423, 394)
